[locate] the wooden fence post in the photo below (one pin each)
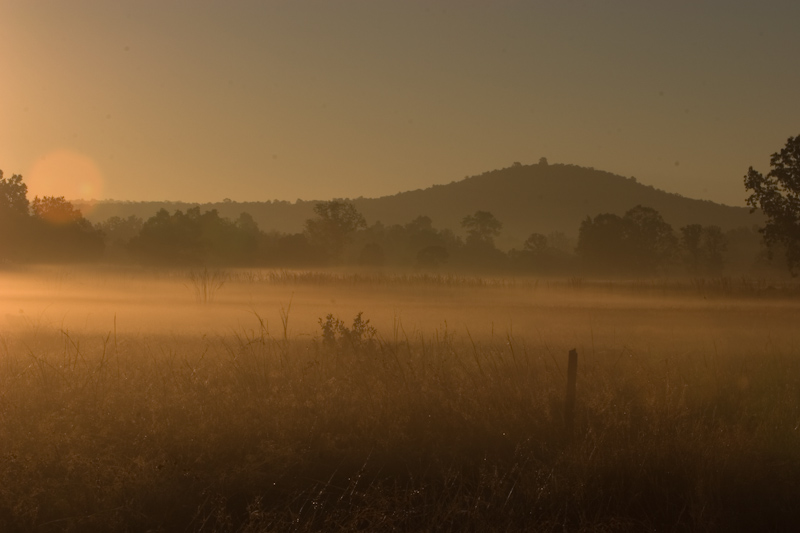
(569, 404)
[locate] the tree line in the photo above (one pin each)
(47, 229)
(638, 243)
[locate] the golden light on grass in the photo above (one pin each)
(128, 398)
(66, 173)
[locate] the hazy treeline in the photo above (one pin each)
(639, 243)
(45, 229)
(543, 197)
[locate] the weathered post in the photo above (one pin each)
(569, 404)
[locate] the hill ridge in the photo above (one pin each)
(526, 198)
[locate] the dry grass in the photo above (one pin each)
(449, 431)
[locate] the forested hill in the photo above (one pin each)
(525, 198)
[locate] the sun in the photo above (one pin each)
(65, 173)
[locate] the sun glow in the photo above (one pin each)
(65, 173)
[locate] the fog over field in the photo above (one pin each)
(92, 301)
(261, 400)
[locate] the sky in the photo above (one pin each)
(278, 100)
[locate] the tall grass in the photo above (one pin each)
(705, 286)
(205, 283)
(368, 277)
(245, 432)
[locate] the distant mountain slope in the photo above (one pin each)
(525, 198)
(545, 198)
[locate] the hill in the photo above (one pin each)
(525, 198)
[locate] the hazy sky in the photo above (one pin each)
(254, 100)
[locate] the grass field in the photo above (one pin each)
(175, 401)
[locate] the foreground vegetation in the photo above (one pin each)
(383, 430)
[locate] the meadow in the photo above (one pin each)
(256, 400)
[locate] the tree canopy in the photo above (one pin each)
(196, 238)
(333, 225)
(47, 229)
(778, 196)
(13, 195)
(639, 243)
(55, 209)
(703, 247)
(482, 227)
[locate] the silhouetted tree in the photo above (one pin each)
(246, 238)
(538, 256)
(334, 225)
(778, 196)
(421, 225)
(703, 248)
(14, 218)
(61, 233)
(560, 241)
(482, 228)
(691, 237)
(715, 244)
(403, 245)
(536, 242)
(479, 250)
(55, 209)
(119, 231)
(13, 195)
(421, 235)
(195, 238)
(47, 229)
(117, 234)
(651, 241)
(602, 244)
(638, 243)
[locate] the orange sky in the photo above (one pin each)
(254, 100)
